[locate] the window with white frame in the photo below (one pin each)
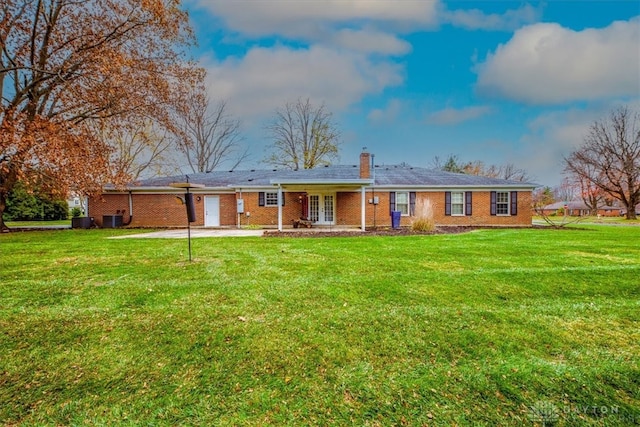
(502, 203)
(457, 203)
(402, 202)
(271, 199)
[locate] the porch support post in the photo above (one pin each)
(363, 209)
(279, 208)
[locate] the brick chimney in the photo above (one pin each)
(365, 165)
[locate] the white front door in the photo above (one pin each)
(212, 211)
(322, 209)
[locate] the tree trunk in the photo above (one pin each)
(3, 206)
(631, 208)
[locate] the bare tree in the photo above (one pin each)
(209, 135)
(304, 136)
(541, 198)
(591, 195)
(609, 158)
(140, 150)
(566, 191)
(454, 164)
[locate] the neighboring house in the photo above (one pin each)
(579, 208)
(343, 195)
(77, 202)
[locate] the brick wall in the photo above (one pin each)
(164, 210)
(348, 210)
(268, 215)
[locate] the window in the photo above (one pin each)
(402, 202)
(270, 199)
(457, 203)
(502, 203)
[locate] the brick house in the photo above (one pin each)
(344, 195)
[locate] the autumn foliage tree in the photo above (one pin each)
(609, 159)
(69, 67)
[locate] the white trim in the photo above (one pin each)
(355, 182)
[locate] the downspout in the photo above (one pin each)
(363, 208)
(239, 214)
(373, 188)
(279, 207)
(130, 208)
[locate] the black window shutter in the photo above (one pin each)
(493, 203)
(514, 203)
(412, 203)
(282, 199)
(468, 204)
(392, 201)
(447, 203)
(261, 198)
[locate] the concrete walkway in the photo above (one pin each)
(195, 232)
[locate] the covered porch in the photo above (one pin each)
(319, 203)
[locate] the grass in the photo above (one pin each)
(591, 219)
(493, 327)
(12, 224)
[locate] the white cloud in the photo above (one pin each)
(264, 79)
(549, 64)
(475, 19)
(453, 116)
(311, 18)
(387, 114)
(555, 134)
(371, 41)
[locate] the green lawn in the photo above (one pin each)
(12, 224)
(492, 327)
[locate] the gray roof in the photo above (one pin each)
(385, 176)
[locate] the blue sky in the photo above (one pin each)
(495, 81)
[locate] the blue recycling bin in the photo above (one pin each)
(395, 219)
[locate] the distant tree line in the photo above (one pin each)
(453, 163)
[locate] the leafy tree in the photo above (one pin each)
(304, 136)
(69, 67)
(209, 135)
(23, 205)
(609, 158)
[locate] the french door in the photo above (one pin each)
(322, 209)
